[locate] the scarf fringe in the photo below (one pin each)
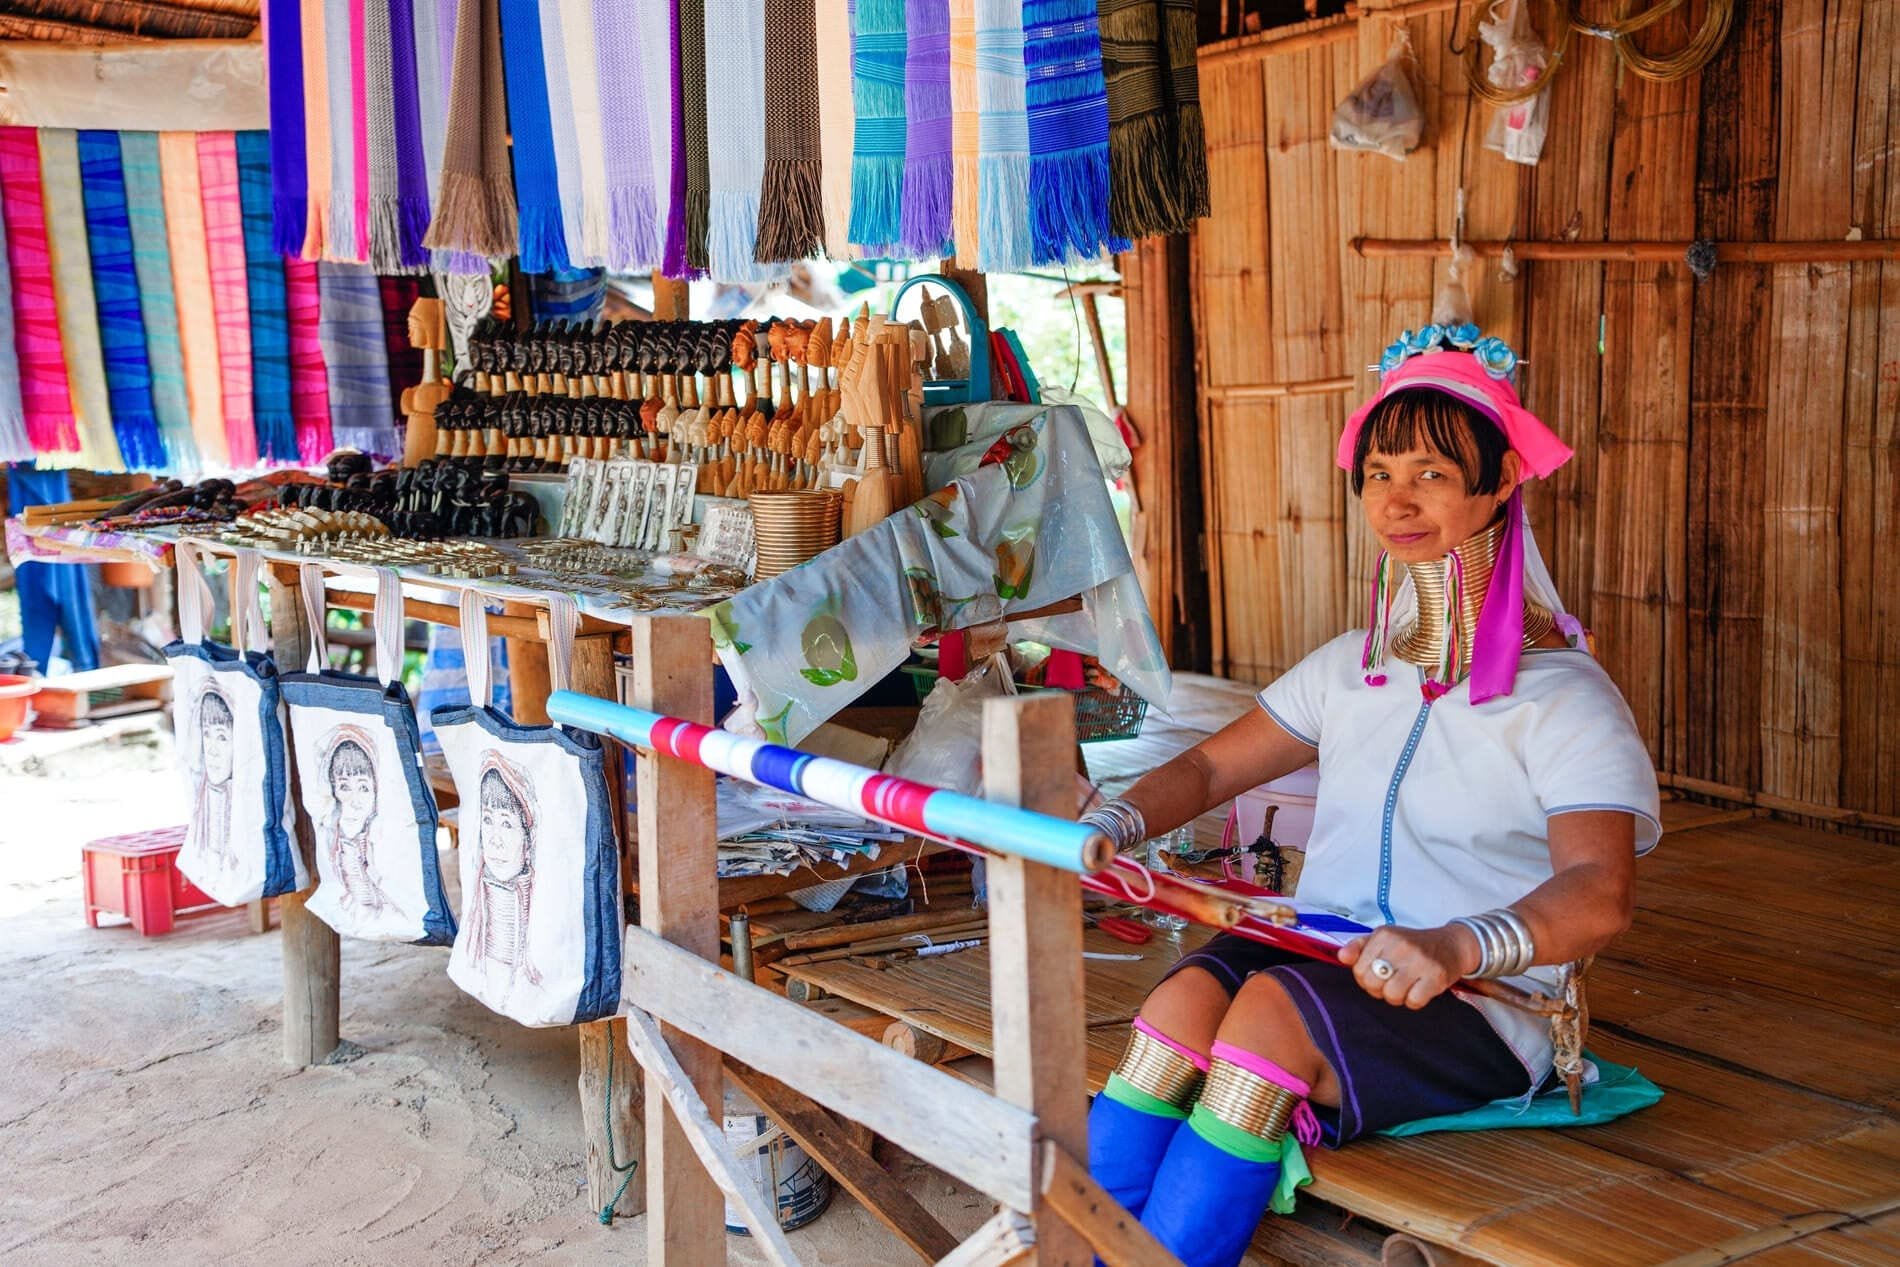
(543, 239)
(928, 201)
(698, 216)
(412, 215)
(289, 224)
(316, 233)
(1190, 145)
(791, 211)
(314, 443)
(14, 445)
(1068, 199)
(1144, 195)
(877, 199)
(1002, 234)
(966, 210)
(140, 443)
(276, 436)
(475, 215)
(339, 242)
(1181, 38)
(385, 234)
(635, 239)
(732, 226)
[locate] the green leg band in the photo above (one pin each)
(1124, 1092)
(1231, 1139)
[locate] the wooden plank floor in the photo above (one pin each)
(1760, 987)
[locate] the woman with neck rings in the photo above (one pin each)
(1483, 797)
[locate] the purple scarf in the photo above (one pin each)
(412, 171)
(675, 262)
(929, 169)
(290, 187)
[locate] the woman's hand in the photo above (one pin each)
(1424, 962)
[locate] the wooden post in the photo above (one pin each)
(671, 299)
(1041, 1039)
(313, 953)
(605, 1063)
(528, 680)
(679, 901)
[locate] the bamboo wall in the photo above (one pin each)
(1730, 526)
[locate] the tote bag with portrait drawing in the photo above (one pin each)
(541, 913)
(359, 773)
(229, 721)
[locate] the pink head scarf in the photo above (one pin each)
(1464, 375)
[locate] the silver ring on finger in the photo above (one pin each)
(1382, 969)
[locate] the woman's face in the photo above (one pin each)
(504, 840)
(1417, 504)
(355, 799)
(217, 751)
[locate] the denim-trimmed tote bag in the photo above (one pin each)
(360, 775)
(541, 906)
(229, 719)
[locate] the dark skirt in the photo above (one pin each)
(1394, 1064)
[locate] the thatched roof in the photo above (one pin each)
(117, 21)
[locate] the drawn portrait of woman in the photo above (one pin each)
(351, 773)
(210, 828)
(504, 890)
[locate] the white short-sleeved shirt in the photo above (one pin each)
(1431, 811)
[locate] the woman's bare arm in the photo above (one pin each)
(1244, 755)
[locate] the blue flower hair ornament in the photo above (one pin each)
(1493, 354)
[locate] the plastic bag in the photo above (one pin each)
(1382, 114)
(946, 748)
(1518, 58)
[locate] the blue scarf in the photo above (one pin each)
(115, 285)
(270, 305)
(1068, 131)
(152, 257)
(289, 168)
(357, 358)
(877, 145)
(537, 177)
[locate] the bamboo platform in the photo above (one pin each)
(1760, 987)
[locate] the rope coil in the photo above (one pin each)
(1558, 17)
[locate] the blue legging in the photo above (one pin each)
(55, 598)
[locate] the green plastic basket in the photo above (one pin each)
(1099, 715)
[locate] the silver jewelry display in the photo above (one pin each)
(1121, 822)
(1505, 945)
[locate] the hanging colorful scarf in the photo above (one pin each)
(735, 123)
(581, 58)
(963, 128)
(14, 444)
(929, 170)
(655, 23)
(633, 218)
(72, 289)
(356, 360)
(537, 178)
(398, 295)
(359, 123)
(316, 130)
(191, 288)
(693, 122)
(412, 180)
(475, 215)
(269, 304)
(677, 230)
(1003, 239)
(791, 195)
(567, 143)
(1152, 179)
(837, 123)
(339, 226)
(433, 55)
(230, 290)
(45, 396)
(290, 184)
(115, 283)
(1180, 35)
(877, 156)
(1068, 130)
(152, 258)
(309, 387)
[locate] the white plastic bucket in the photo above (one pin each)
(1293, 797)
(784, 1173)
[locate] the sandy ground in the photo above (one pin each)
(146, 1114)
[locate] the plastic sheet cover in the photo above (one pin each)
(169, 86)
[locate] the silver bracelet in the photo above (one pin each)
(1521, 935)
(1120, 822)
(1505, 946)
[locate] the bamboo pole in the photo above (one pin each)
(1277, 391)
(1821, 252)
(1786, 805)
(1287, 39)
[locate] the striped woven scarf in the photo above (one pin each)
(654, 25)
(383, 209)
(635, 234)
(963, 128)
(339, 224)
(152, 258)
(567, 143)
(290, 185)
(1068, 130)
(45, 396)
(791, 194)
(929, 169)
(269, 305)
(316, 129)
(309, 386)
(191, 289)
(735, 114)
(356, 360)
(14, 444)
(398, 295)
(72, 288)
(582, 57)
(1180, 34)
(1151, 188)
(115, 284)
(475, 213)
(693, 129)
(359, 123)
(877, 156)
(230, 289)
(537, 178)
(1003, 239)
(674, 256)
(412, 180)
(837, 123)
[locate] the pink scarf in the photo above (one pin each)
(230, 290)
(309, 385)
(44, 393)
(359, 126)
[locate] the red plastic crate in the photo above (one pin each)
(137, 876)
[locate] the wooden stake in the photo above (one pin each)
(1006, 1238)
(1036, 945)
